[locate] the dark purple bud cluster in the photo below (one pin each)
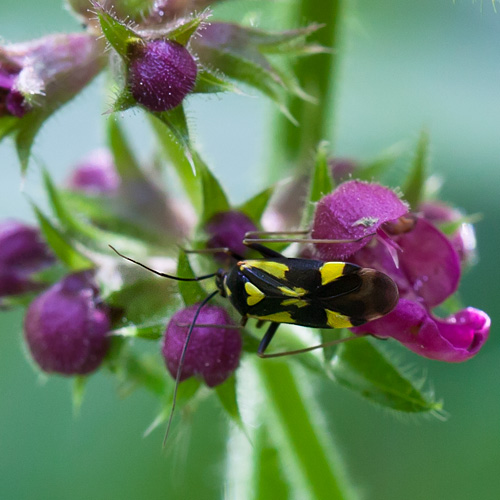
(160, 74)
(422, 261)
(22, 253)
(213, 352)
(66, 327)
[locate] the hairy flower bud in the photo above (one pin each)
(66, 327)
(213, 352)
(47, 72)
(228, 229)
(95, 174)
(161, 73)
(22, 253)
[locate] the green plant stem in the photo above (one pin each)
(296, 428)
(293, 147)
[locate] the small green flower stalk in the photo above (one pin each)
(367, 260)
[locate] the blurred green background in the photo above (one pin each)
(405, 65)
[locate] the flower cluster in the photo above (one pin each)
(421, 259)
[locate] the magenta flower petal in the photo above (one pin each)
(430, 262)
(213, 352)
(454, 339)
(354, 210)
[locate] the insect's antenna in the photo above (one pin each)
(181, 362)
(198, 278)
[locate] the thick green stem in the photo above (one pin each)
(293, 146)
(311, 451)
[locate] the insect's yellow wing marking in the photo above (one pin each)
(337, 320)
(279, 317)
(330, 271)
(276, 269)
(295, 292)
(254, 294)
(294, 302)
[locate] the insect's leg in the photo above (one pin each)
(225, 250)
(312, 348)
(266, 339)
(263, 250)
(243, 321)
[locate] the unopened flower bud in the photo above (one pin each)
(66, 327)
(95, 174)
(161, 74)
(228, 229)
(213, 352)
(22, 253)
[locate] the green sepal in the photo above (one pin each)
(208, 82)
(361, 367)
(191, 291)
(124, 159)
(149, 331)
(58, 242)
(413, 188)
(226, 393)
(243, 56)
(119, 36)
(175, 152)
(183, 32)
(78, 392)
(89, 235)
(255, 207)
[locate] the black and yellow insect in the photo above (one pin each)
(302, 292)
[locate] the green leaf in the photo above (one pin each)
(414, 185)
(145, 302)
(116, 32)
(377, 167)
(269, 481)
(226, 393)
(299, 433)
(360, 367)
(124, 159)
(214, 198)
(255, 206)
(133, 371)
(25, 134)
(60, 246)
(191, 292)
(93, 237)
(176, 122)
(176, 154)
(7, 125)
(322, 183)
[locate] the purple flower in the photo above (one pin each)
(46, 72)
(66, 327)
(96, 174)
(161, 73)
(228, 229)
(421, 260)
(354, 211)
(213, 352)
(463, 236)
(22, 253)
